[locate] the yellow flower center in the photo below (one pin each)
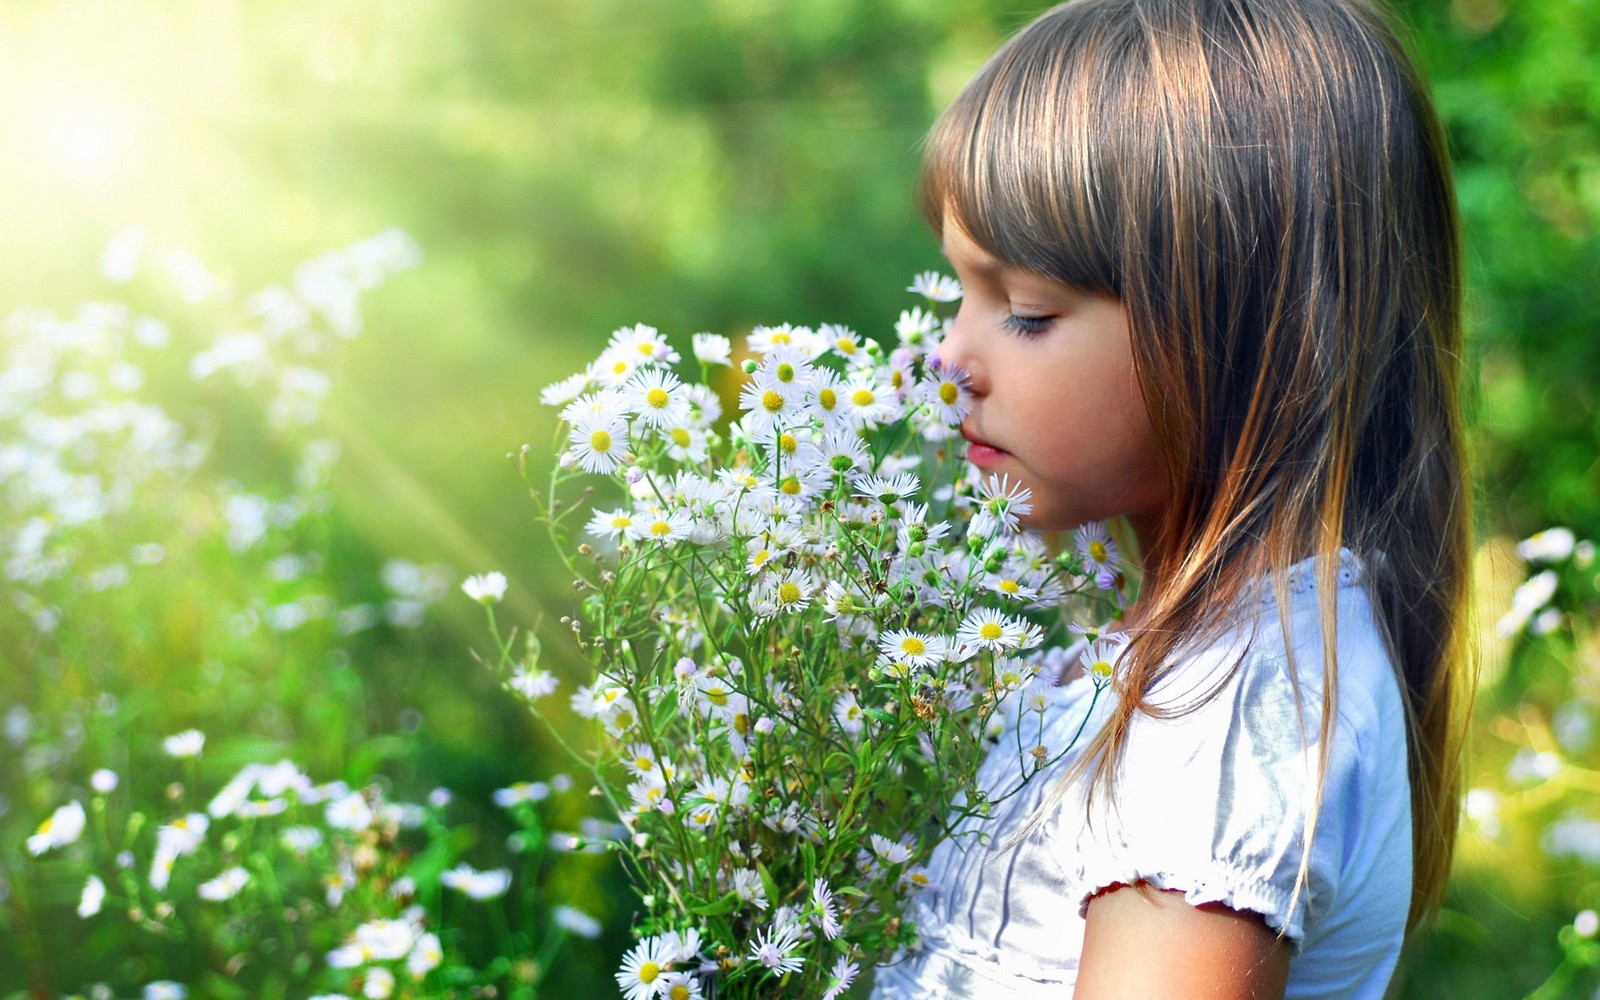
(643, 763)
(845, 346)
(948, 393)
(788, 444)
(760, 557)
(785, 372)
(1097, 551)
(781, 338)
(897, 378)
(647, 349)
(772, 401)
(863, 397)
(656, 397)
(621, 522)
(741, 723)
(718, 696)
(1010, 678)
(659, 528)
(1100, 668)
(990, 631)
(679, 992)
(46, 826)
(790, 487)
(619, 368)
(648, 972)
(827, 399)
(1010, 587)
(600, 441)
(912, 646)
(680, 437)
(788, 592)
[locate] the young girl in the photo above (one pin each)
(1211, 267)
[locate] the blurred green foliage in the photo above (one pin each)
(572, 167)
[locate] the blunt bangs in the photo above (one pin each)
(1027, 159)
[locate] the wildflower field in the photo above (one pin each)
(282, 289)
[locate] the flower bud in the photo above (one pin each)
(749, 366)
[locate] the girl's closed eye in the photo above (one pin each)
(1027, 326)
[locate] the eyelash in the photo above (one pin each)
(1026, 326)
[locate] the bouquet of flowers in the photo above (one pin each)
(808, 625)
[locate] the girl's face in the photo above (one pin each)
(1055, 400)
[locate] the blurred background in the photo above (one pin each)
(566, 169)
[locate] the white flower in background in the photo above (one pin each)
(712, 349)
(349, 812)
(935, 286)
(486, 588)
(378, 984)
(575, 921)
(522, 791)
(425, 956)
(63, 827)
(120, 260)
(767, 338)
(847, 713)
(532, 684)
(302, 840)
(643, 342)
(165, 989)
(565, 391)
(868, 402)
(643, 967)
(598, 442)
(92, 897)
(224, 886)
(1548, 546)
(480, 885)
(747, 886)
(915, 327)
(892, 852)
(1531, 596)
(188, 743)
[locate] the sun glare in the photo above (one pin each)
(81, 135)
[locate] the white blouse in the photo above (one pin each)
(1213, 802)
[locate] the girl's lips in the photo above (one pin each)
(981, 453)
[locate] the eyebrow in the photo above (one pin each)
(981, 262)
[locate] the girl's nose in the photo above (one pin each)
(956, 350)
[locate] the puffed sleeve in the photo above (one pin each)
(1214, 802)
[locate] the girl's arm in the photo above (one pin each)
(1145, 942)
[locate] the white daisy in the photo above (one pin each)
(224, 886)
(642, 968)
(188, 743)
(610, 523)
(598, 442)
(998, 505)
(92, 897)
(686, 443)
(712, 349)
(915, 328)
(935, 287)
(869, 402)
(1007, 586)
(614, 367)
(788, 370)
(991, 630)
(825, 397)
(948, 395)
(1099, 552)
(893, 852)
(765, 338)
(565, 391)
(662, 526)
(657, 396)
(914, 649)
(776, 950)
(888, 489)
(1100, 659)
(645, 342)
(827, 913)
(768, 407)
(843, 974)
(480, 885)
(842, 341)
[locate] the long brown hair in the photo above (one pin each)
(1266, 188)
